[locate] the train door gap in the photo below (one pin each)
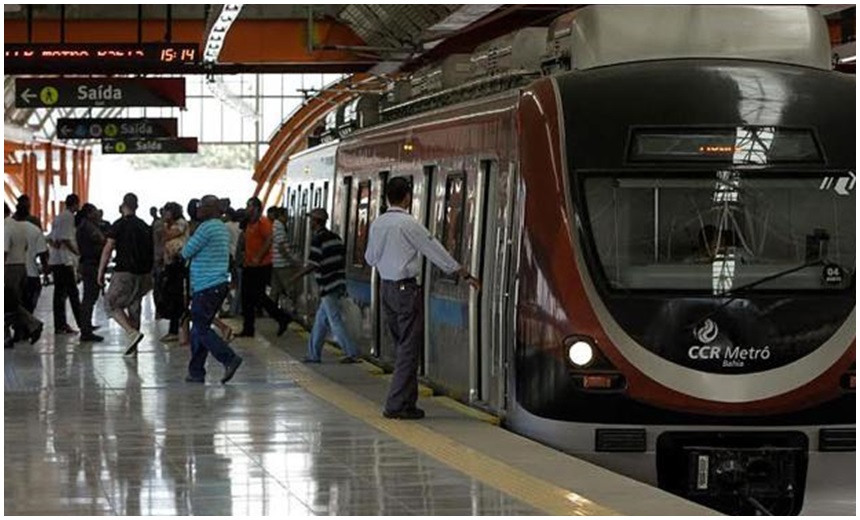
(477, 312)
(426, 216)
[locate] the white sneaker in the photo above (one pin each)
(134, 340)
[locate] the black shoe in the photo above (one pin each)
(94, 338)
(231, 369)
(34, 337)
(410, 414)
(282, 326)
(191, 379)
(311, 360)
(349, 360)
(95, 327)
(64, 329)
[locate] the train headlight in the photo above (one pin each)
(580, 353)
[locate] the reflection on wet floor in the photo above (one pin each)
(89, 432)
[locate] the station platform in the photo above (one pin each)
(91, 432)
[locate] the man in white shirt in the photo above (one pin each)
(395, 247)
(63, 253)
(37, 249)
(15, 272)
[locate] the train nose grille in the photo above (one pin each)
(837, 439)
(617, 439)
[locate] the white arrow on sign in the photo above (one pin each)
(65, 130)
(27, 96)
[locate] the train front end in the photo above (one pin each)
(686, 290)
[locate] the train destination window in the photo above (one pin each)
(713, 232)
(741, 145)
(362, 223)
(452, 224)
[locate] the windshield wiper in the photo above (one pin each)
(734, 291)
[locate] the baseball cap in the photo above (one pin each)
(319, 213)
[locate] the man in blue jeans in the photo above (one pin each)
(327, 261)
(209, 252)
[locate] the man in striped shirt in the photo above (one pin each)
(327, 262)
(209, 252)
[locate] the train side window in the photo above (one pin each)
(325, 196)
(347, 205)
(300, 218)
(383, 197)
(362, 223)
(452, 224)
(318, 198)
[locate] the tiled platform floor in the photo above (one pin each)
(90, 432)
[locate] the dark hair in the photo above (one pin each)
(397, 190)
(84, 213)
(175, 209)
(254, 201)
(192, 206)
(130, 201)
(72, 200)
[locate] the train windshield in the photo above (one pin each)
(723, 230)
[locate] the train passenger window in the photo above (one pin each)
(318, 198)
(347, 205)
(452, 224)
(325, 196)
(362, 223)
(383, 194)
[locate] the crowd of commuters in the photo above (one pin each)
(193, 265)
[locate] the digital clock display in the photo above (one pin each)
(70, 58)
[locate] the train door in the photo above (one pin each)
(490, 262)
(380, 348)
(451, 314)
(358, 273)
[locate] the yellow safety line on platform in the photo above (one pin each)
(538, 493)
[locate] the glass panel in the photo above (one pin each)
(452, 226)
(211, 132)
(271, 109)
(232, 130)
(723, 231)
(362, 223)
(271, 84)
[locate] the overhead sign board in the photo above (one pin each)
(115, 128)
(150, 145)
(107, 92)
(95, 58)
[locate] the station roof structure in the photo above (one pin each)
(370, 41)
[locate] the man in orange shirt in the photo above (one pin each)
(258, 271)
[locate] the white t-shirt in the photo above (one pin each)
(15, 242)
(233, 228)
(36, 245)
(63, 229)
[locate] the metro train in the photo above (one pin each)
(667, 251)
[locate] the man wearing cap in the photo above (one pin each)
(395, 246)
(327, 262)
(209, 252)
(132, 276)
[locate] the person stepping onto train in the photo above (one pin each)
(327, 260)
(395, 246)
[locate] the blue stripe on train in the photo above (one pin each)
(358, 291)
(444, 311)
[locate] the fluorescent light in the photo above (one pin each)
(849, 59)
